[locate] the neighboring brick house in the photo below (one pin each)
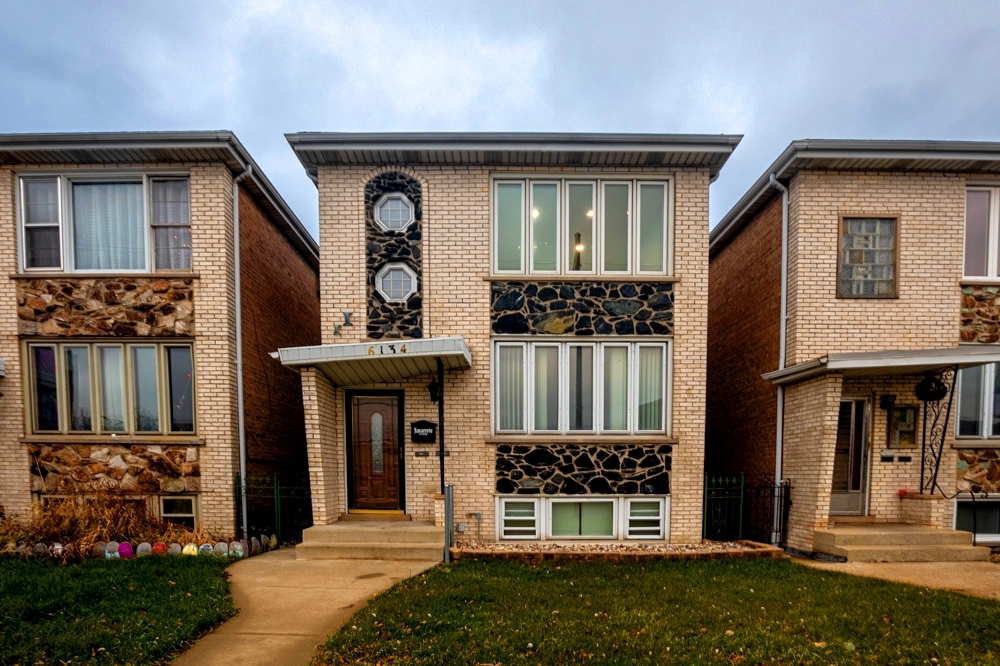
(877, 298)
(558, 283)
(126, 307)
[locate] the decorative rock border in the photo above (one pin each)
(124, 550)
(744, 550)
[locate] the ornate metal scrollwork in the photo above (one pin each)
(937, 392)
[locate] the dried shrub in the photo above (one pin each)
(80, 521)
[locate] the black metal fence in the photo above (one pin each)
(738, 507)
(273, 507)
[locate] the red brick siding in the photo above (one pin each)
(280, 299)
(744, 306)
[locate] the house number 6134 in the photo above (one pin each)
(382, 349)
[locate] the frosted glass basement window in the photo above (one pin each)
(520, 519)
(594, 519)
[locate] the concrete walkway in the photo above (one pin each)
(287, 607)
(979, 579)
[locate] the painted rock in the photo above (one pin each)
(263, 543)
(246, 548)
(236, 549)
(206, 549)
(24, 550)
(41, 550)
(190, 549)
(125, 550)
(144, 549)
(159, 548)
(174, 549)
(100, 548)
(274, 541)
(254, 546)
(111, 550)
(57, 549)
(222, 549)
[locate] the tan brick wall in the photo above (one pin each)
(456, 302)
(810, 437)
(931, 207)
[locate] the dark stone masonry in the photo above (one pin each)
(393, 320)
(582, 308)
(573, 469)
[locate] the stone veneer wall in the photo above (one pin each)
(978, 470)
(570, 469)
(393, 320)
(582, 308)
(979, 320)
(120, 307)
(68, 468)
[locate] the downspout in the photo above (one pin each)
(782, 333)
(239, 349)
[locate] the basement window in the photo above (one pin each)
(178, 510)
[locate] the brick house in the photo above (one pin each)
(146, 276)
(552, 288)
(880, 257)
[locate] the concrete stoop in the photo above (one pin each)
(359, 540)
(860, 542)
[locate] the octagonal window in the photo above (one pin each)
(396, 282)
(394, 212)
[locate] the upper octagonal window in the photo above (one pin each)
(394, 212)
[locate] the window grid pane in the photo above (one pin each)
(977, 229)
(46, 394)
(509, 226)
(519, 519)
(616, 224)
(581, 387)
(868, 257)
(544, 227)
(970, 403)
(78, 387)
(651, 388)
(41, 223)
(546, 388)
(112, 388)
(181, 389)
(395, 213)
(146, 389)
(615, 388)
(652, 227)
(510, 388)
(171, 220)
(580, 223)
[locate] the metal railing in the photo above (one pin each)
(449, 520)
(738, 507)
(273, 507)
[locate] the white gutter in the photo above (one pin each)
(779, 431)
(239, 348)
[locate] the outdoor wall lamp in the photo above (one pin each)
(886, 401)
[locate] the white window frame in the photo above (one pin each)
(985, 409)
(992, 235)
(528, 379)
(568, 245)
(531, 226)
(494, 227)
(96, 382)
(65, 182)
(562, 237)
(194, 515)
(393, 266)
(620, 513)
(632, 188)
(982, 537)
(502, 518)
(562, 388)
(376, 212)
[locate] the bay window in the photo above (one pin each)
(131, 388)
(979, 401)
(581, 227)
(573, 387)
(89, 223)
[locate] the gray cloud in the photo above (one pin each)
(772, 71)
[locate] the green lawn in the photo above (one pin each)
(108, 611)
(725, 612)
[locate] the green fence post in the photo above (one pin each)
(704, 511)
(277, 508)
(742, 494)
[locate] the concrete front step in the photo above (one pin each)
(890, 535)
(410, 541)
(910, 553)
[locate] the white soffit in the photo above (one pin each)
(894, 362)
(364, 363)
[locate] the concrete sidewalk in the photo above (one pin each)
(287, 607)
(979, 579)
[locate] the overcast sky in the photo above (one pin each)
(771, 71)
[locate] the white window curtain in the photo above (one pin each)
(112, 388)
(108, 226)
(510, 388)
(546, 388)
(650, 388)
(615, 388)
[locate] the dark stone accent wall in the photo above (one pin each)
(100, 307)
(582, 308)
(979, 319)
(393, 320)
(573, 469)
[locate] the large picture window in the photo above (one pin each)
(979, 401)
(581, 227)
(84, 223)
(575, 387)
(132, 388)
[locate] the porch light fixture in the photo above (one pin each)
(886, 401)
(930, 389)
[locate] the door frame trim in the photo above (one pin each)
(349, 395)
(866, 453)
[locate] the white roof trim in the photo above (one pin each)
(364, 363)
(866, 364)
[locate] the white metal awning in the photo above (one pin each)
(363, 363)
(894, 362)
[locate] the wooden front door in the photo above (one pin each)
(375, 452)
